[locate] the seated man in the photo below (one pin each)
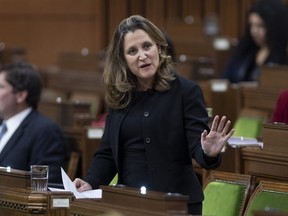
(28, 136)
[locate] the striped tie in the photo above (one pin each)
(3, 130)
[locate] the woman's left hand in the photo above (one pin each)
(214, 141)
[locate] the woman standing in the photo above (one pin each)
(157, 120)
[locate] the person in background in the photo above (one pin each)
(157, 121)
(264, 42)
(280, 113)
(28, 137)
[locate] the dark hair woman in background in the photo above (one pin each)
(264, 41)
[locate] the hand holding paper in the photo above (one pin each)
(69, 186)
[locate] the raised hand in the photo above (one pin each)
(214, 141)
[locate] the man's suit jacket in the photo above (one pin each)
(37, 140)
(172, 133)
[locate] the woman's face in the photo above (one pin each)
(142, 56)
(257, 29)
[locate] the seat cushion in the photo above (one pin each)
(223, 198)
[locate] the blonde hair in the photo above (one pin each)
(118, 79)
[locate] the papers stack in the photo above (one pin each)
(69, 186)
(244, 142)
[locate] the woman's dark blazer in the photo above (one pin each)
(172, 131)
(37, 140)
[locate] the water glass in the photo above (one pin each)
(39, 177)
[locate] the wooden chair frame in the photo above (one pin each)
(277, 187)
(235, 178)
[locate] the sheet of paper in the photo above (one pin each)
(244, 142)
(69, 186)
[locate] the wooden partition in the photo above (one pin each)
(75, 80)
(271, 162)
(263, 97)
(223, 98)
(67, 114)
(274, 76)
(86, 141)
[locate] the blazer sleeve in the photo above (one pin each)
(196, 121)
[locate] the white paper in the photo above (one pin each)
(244, 142)
(69, 186)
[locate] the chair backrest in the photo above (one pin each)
(268, 196)
(226, 194)
(250, 123)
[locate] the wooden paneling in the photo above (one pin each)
(229, 17)
(118, 10)
(48, 27)
(137, 7)
(45, 28)
(156, 11)
(211, 7)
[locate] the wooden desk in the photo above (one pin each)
(17, 199)
(271, 162)
(230, 160)
(272, 80)
(130, 201)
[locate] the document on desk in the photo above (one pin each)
(244, 142)
(69, 186)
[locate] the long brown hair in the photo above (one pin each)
(119, 80)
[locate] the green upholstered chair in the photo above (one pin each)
(225, 194)
(248, 127)
(250, 123)
(268, 196)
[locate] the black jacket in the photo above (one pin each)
(172, 137)
(37, 140)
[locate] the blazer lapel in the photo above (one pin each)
(116, 124)
(11, 143)
(14, 140)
